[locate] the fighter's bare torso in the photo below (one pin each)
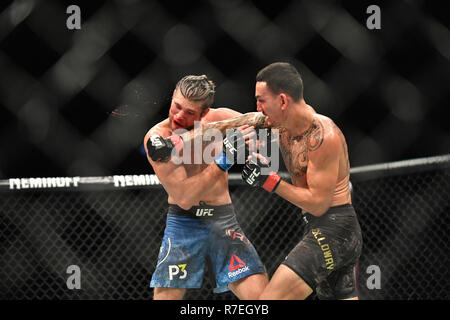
(295, 151)
(216, 195)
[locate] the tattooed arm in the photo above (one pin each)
(255, 119)
(316, 195)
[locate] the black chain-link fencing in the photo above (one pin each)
(111, 228)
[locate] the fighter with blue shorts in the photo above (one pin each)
(201, 223)
(192, 236)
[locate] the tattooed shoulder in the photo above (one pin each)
(315, 139)
(295, 150)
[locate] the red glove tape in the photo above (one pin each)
(272, 182)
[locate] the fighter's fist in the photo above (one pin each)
(251, 174)
(160, 148)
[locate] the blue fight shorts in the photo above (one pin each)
(193, 235)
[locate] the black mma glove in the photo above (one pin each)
(251, 174)
(160, 148)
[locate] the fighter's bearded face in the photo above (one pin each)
(184, 112)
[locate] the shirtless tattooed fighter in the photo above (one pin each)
(315, 153)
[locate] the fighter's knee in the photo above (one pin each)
(264, 295)
(250, 288)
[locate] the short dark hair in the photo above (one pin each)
(197, 88)
(282, 77)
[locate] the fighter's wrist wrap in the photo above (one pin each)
(232, 142)
(272, 182)
(222, 162)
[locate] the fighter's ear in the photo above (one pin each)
(284, 100)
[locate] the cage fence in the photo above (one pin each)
(111, 228)
(68, 96)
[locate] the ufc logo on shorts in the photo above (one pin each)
(204, 212)
(175, 270)
(156, 141)
(255, 174)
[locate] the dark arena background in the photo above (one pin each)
(76, 188)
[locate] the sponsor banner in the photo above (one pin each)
(42, 183)
(108, 182)
(98, 183)
(136, 180)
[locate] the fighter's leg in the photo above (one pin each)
(250, 288)
(236, 263)
(168, 293)
(342, 284)
(181, 258)
(286, 285)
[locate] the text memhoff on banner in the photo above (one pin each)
(116, 181)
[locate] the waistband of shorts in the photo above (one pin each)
(344, 208)
(203, 211)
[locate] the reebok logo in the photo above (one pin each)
(237, 266)
(235, 259)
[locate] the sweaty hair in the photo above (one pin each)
(282, 77)
(197, 88)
